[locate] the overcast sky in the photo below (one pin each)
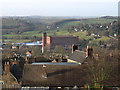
(59, 7)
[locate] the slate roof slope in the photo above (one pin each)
(78, 56)
(54, 75)
(64, 40)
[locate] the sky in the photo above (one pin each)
(59, 7)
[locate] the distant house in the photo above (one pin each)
(14, 47)
(78, 56)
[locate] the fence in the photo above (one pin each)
(18, 87)
(11, 86)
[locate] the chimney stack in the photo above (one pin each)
(89, 52)
(44, 74)
(74, 47)
(44, 38)
(6, 68)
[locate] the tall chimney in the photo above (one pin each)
(89, 52)
(44, 38)
(6, 68)
(74, 47)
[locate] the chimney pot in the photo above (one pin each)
(89, 52)
(74, 47)
(6, 68)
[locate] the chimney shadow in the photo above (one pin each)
(59, 72)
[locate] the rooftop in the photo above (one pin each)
(52, 75)
(78, 56)
(57, 63)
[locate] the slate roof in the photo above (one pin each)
(53, 75)
(16, 71)
(64, 40)
(53, 41)
(78, 56)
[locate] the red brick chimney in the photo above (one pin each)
(6, 68)
(74, 47)
(44, 38)
(89, 52)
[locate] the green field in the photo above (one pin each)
(87, 21)
(97, 21)
(16, 41)
(81, 35)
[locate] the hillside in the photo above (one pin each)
(25, 29)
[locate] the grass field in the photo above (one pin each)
(30, 32)
(70, 23)
(103, 38)
(16, 41)
(97, 21)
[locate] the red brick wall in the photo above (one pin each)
(48, 42)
